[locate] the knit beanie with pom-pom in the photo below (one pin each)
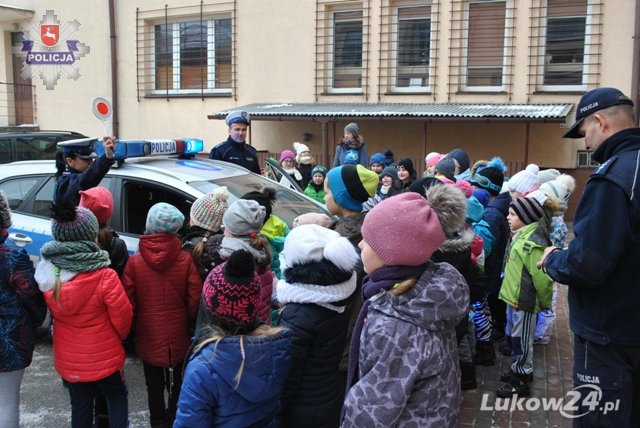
(320, 268)
(525, 181)
(491, 177)
(231, 293)
(414, 227)
(70, 225)
(207, 211)
(560, 189)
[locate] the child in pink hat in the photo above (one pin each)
(412, 305)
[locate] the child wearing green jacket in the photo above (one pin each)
(315, 188)
(525, 289)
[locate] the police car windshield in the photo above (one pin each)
(290, 204)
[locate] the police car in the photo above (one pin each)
(146, 172)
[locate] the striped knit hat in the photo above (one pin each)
(351, 185)
(71, 226)
(527, 209)
(232, 293)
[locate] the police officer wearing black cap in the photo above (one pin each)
(77, 170)
(601, 267)
(235, 149)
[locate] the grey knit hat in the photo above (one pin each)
(352, 128)
(244, 217)
(81, 227)
(5, 213)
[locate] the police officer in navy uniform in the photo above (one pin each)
(80, 168)
(235, 149)
(600, 265)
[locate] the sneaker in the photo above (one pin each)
(506, 376)
(518, 385)
(541, 340)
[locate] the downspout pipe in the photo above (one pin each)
(635, 70)
(115, 124)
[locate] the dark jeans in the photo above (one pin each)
(82, 395)
(159, 379)
(615, 370)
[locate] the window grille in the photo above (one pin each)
(342, 39)
(408, 46)
(482, 46)
(186, 51)
(566, 45)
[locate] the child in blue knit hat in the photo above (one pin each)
(376, 163)
(351, 157)
(315, 188)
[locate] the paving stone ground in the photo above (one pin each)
(552, 378)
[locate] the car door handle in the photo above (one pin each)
(20, 239)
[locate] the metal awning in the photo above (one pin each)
(329, 112)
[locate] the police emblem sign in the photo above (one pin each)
(51, 50)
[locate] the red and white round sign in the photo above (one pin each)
(101, 108)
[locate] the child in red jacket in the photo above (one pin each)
(91, 314)
(164, 287)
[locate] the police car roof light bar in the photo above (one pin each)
(125, 149)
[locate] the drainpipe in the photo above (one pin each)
(115, 124)
(527, 134)
(635, 70)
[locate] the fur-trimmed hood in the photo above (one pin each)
(317, 282)
(460, 241)
(450, 205)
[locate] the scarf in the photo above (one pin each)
(332, 297)
(294, 173)
(230, 244)
(66, 259)
(305, 160)
(382, 279)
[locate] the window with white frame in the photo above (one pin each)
(186, 50)
(412, 47)
(485, 45)
(192, 55)
(347, 50)
(566, 40)
(564, 44)
(584, 159)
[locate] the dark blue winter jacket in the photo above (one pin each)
(239, 153)
(495, 214)
(22, 308)
(601, 265)
(69, 184)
